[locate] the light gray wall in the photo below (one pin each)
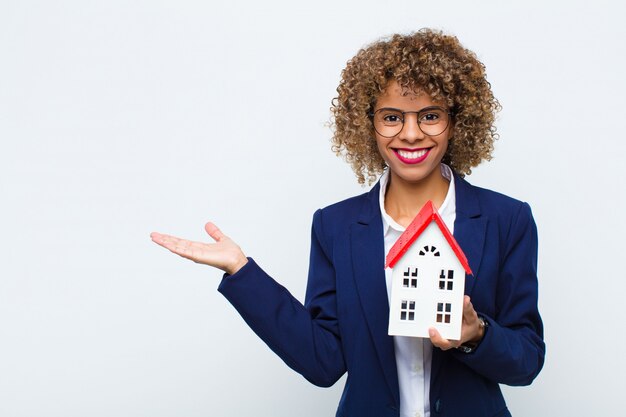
(118, 118)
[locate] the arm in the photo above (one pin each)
(511, 349)
(307, 339)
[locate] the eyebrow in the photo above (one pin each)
(413, 111)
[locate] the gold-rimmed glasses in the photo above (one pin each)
(432, 121)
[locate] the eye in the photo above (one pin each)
(431, 116)
(390, 117)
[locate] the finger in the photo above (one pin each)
(158, 238)
(469, 314)
(214, 231)
(187, 249)
(195, 251)
(183, 247)
(164, 240)
(438, 341)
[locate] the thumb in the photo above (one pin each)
(468, 309)
(214, 232)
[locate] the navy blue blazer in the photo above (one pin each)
(342, 326)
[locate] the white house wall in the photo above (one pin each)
(427, 294)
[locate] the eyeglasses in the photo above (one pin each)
(432, 121)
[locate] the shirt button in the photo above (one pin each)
(417, 414)
(437, 406)
(417, 367)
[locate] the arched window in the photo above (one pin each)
(429, 249)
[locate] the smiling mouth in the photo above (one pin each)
(412, 156)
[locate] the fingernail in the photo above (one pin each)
(431, 332)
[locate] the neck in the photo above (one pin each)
(403, 200)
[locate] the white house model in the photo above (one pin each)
(428, 279)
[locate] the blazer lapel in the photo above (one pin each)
(368, 263)
(470, 228)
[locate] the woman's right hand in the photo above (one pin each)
(223, 254)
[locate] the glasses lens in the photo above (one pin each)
(388, 122)
(433, 121)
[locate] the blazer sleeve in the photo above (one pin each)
(306, 338)
(512, 350)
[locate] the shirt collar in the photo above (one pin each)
(449, 203)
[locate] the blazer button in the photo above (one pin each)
(438, 406)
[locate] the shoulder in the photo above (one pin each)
(351, 208)
(491, 203)
(337, 218)
(511, 217)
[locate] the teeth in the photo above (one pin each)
(412, 155)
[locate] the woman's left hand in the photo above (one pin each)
(471, 330)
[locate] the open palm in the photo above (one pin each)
(223, 254)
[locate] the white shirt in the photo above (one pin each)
(413, 354)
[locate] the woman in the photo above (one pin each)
(417, 109)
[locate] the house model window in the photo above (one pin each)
(428, 279)
(444, 311)
(409, 279)
(433, 250)
(445, 281)
(407, 311)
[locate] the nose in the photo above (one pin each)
(411, 131)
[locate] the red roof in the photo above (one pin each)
(427, 214)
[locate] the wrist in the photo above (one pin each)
(481, 330)
(239, 263)
(471, 345)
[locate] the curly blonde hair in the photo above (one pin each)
(428, 61)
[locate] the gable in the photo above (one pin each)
(429, 244)
(429, 251)
(427, 216)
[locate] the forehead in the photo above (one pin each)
(396, 96)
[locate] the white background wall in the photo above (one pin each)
(118, 118)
